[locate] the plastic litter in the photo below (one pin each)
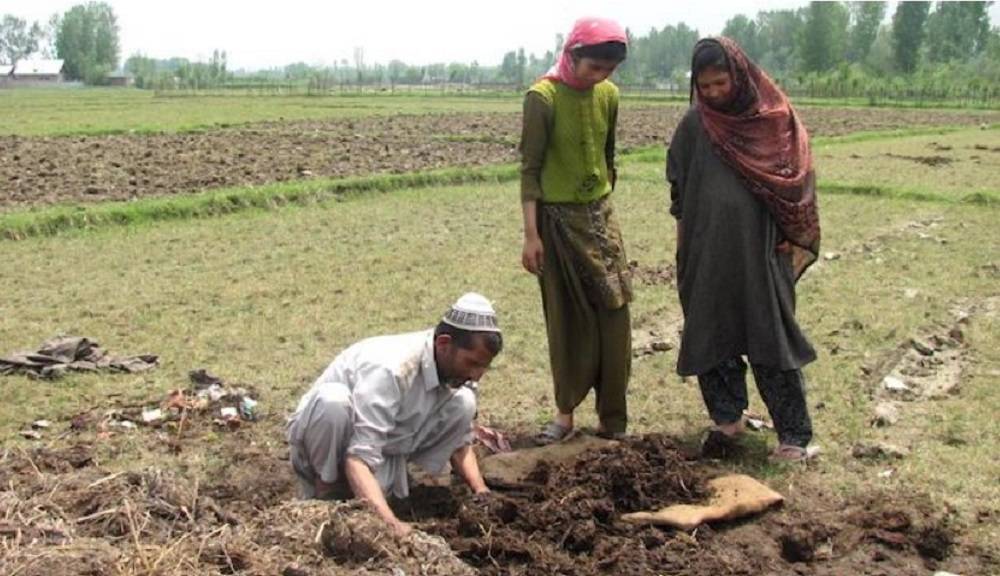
(153, 416)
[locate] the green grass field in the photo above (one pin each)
(49, 112)
(960, 166)
(113, 110)
(268, 297)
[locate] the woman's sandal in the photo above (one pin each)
(792, 453)
(552, 433)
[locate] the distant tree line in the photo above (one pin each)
(849, 45)
(178, 72)
(832, 47)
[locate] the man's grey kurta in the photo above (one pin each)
(737, 292)
(380, 401)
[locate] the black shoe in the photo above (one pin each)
(718, 446)
(611, 435)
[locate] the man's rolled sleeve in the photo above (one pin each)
(376, 402)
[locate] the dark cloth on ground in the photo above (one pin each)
(586, 289)
(724, 390)
(736, 290)
(57, 356)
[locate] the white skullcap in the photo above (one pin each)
(472, 312)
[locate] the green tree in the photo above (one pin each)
(745, 32)
(87, 42)
(522, 63)
(824, 37)
(987, 63)
(142, 69)
(458, 72)
(866, 18)
(17, 39)
(957, 30)
(626, 71)
(908, 34)
(879, 57)
(359, 63)
(47, 40)
(297, 71)
(508, 67)
(217, 67)
(779, 31)
(662, 53)
(475, 72)
(397, 69)
(436, 73)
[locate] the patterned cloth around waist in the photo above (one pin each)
(588, 236)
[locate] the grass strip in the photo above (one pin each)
(989, 198)
(658, 154)
(982, 198)
(53, 220)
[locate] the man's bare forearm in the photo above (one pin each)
(366, 488)
(465, 463)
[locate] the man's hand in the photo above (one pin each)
(366, 488)
(400, 529)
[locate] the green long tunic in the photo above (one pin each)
(568, 142)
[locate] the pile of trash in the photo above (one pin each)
(228, 407)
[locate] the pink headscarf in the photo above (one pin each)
(586, 32)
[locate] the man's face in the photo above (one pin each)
(715, 87)
(457, 365)
(594, 70)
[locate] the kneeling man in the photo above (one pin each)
(389, 400)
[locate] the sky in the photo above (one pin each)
(260, 35)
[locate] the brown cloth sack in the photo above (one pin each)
(513, 468)
(733, 496)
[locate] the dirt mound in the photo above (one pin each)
(565, 519)
(246, 521)
(562, 518)
(653, 275)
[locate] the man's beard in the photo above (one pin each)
(455, 383)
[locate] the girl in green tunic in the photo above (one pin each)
(571, 237)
